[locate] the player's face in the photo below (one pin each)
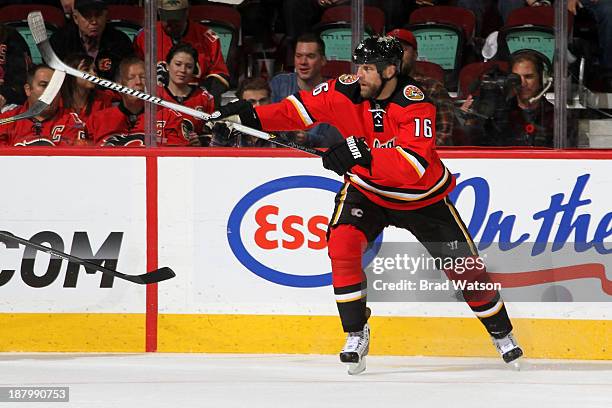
(35, 90)
(91, 23)
(530, 80)
(256, 97)
(369, 80)
(181, 68)
(308, 60)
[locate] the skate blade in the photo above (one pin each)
(516, 365)
(357, 368)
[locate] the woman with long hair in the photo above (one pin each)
(181, 63)
(81, 96)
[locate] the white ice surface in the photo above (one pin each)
(288, 381)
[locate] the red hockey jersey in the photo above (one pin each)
(200, 37)
(116, 126)
(198, 99)
(63, 129)
(102, 99)
(406, 171)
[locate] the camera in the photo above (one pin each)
(496, 89)
(492, 107)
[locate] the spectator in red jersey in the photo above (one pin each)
(53, 127)
(81, 96)
(175, 27)
(123, 125)
(181, 63)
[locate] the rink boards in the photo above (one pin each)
(245, 236)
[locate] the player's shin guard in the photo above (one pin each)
(346, 245)
(488, 306)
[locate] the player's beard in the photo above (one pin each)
(370, 90)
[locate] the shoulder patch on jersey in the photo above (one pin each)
(413, 93)
(212, 36)
(348, 79)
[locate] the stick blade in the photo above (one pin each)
(157, 275)
(37, 26)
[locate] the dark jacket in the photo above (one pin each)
(14, 61)
(114, 46)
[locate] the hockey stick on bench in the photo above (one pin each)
(155, 276)
(43, 102)
(39, 33)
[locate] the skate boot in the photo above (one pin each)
(355, 350)
(508, 348)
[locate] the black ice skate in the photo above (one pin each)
(508, 348)
(356, 349)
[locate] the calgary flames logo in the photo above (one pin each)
(348, 79)
(413, 93)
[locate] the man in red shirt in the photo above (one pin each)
(175, 28)
(53, 127)
(123, 125)
(392, 176)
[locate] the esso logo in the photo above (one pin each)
(278, 230)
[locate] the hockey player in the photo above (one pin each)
(393, 176)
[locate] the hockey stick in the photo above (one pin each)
(43, 102)
(39, 33)
(155, 276)
(270, 137)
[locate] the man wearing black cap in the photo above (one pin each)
(88, 33)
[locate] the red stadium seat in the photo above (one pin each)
(537, 16)
(123, 12)
(215, 13)
(333, 69)
(430, 69)
(456, 16)
(474, 71)
(126, 18)
(373, 17)
(19, 12)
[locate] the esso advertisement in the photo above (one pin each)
(270, 235)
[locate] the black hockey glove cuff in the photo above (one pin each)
(341, 157)
(239, 111)
(216, 87)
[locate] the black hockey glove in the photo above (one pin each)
(222, 135)
(341, 157)
(163, 77)
(239, 111)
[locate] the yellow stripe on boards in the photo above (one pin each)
(72, 332)
(427, 336)
(540, 338)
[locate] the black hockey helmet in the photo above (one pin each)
(381, 51)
